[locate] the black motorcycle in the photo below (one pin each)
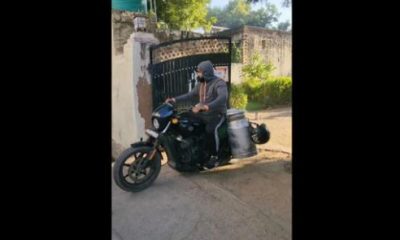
(182, 137)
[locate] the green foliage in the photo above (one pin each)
(285, 3)
(255, 74)
(264, 17)
(184, 15)
(236, 54)
(262, 87)
(276, 91)
(238, 97)
(254, 106)
(238, 13)
(283, 26)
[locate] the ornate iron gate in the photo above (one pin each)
(173, 65)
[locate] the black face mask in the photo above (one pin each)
(201, 79)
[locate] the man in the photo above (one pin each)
(212, 94)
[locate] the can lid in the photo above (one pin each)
(235, 114)
(234, 111)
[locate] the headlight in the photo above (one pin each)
(156, 124)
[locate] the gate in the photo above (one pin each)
(173, 65)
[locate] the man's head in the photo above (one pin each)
(200, 73)
(205, 71)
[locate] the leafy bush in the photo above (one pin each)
(261, 87)
(276, 91)
(255, 74)
(238, 97)
(236, 56)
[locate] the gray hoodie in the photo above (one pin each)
(216, 96)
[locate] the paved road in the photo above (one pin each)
(279, 121)
(249, 199)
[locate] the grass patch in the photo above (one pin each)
(254, 106)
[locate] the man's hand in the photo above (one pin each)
(196, 109)
(199, 107)
(170, 100)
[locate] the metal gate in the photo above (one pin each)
(173, 65)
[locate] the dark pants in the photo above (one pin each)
(212, 121)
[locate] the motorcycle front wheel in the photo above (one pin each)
(134, 171)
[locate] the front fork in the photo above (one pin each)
(153, 152)
(150, 142)
(154, 138)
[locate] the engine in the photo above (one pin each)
(190, 149)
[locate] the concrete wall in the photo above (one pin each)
(131, 91)
(123, 27)
(236, 71)
(274, 46)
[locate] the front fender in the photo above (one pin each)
(148, 143)
(142, 144)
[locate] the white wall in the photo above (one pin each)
(236, 71)
(128, 126)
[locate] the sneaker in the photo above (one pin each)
(212, 163)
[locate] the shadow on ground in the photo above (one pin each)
(248, 199)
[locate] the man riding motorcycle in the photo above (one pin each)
(212, 93)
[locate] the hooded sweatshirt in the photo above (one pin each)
(213, 92)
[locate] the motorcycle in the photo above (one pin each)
(182, 137)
